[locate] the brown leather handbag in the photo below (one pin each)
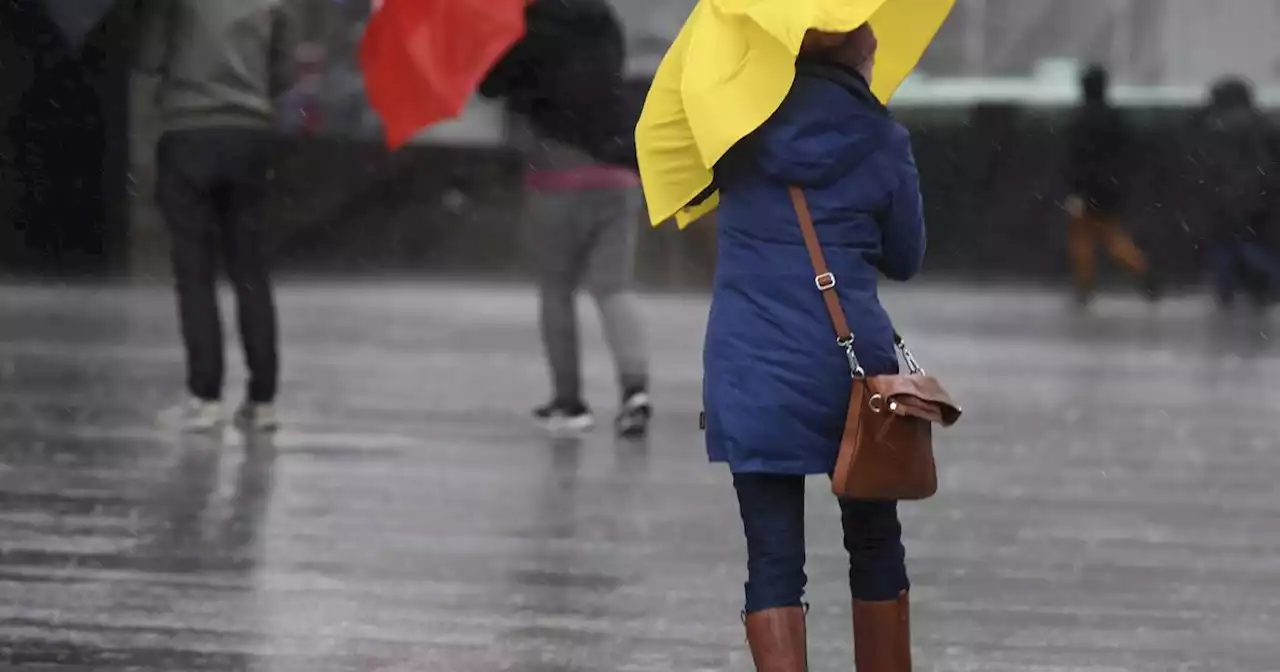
(886, 452)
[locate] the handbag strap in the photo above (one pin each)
(825, 279)
(826, 283)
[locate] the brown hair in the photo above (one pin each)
(853, 49)
(817, 42)
(859, 46)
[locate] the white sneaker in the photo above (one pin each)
(193, 415)
(564, 417)
(257, 418)
(633, 417)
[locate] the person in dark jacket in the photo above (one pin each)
(777, 385)
(221, 64)
(1235, 155)
(566, 78)
(1099, 149)
(563, 86)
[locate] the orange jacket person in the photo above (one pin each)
(1099, 145)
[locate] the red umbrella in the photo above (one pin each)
(423, 59)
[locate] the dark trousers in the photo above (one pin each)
(772, 508)
(212, 188)
(1237, 264)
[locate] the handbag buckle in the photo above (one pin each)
(825, 282)
(876, 403)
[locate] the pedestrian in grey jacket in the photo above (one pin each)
(220, 64)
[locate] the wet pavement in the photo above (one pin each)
(1108, 504)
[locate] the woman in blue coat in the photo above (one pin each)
(777, 385)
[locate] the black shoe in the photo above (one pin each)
(634, 415)
(561, 416)
(1152, 289)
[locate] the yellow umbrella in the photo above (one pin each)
(729, 70)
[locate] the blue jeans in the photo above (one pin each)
(772, 507)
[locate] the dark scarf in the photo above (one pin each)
(842, 75)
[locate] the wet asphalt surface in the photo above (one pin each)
(1108, 504)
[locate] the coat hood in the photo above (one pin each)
(829, 125)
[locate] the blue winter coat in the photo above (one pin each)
(776, 387)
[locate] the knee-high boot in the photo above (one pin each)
(777, 639)
(882, 635)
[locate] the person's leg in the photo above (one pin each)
(186, 201)
(772, 510)
(1224, 267)
(610, 272)
(245, 175)
(1121, 247)
(553, 239)
(1080, 248)
(1264, 270)
(877, 558)
(1124, 250)
(878, 585)
(625, 334)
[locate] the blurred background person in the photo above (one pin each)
(583, 200)
(220, 65)
(1099, 158)
(1235, 155)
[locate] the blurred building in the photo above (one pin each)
(1164, 50)
(1025, 51)
(1147, 42)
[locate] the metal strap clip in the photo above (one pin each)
(855, 368)
(912, 365)
(825, 281)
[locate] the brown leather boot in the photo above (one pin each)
(777, 639)
(882, 635)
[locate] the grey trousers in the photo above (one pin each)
(586, 240)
